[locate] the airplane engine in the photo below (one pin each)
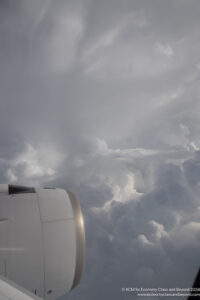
(42, 239)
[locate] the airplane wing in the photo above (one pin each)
(11, 291)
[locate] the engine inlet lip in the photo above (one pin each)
(80, 239)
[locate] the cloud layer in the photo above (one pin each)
(102, 97)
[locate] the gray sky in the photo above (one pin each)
(102, 97)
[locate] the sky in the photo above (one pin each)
(102, 97)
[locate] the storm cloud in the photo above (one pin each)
(102, 97)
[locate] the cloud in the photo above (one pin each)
(129, 61)
(62, 43)
(102, 97)
(166, 50)
(34, 166)
(142, 237)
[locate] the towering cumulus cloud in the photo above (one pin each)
(102, 97)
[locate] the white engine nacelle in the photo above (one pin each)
(42, 239)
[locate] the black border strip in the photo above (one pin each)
(196, 287)
(80, 238)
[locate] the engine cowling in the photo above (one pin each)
(42, 239)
